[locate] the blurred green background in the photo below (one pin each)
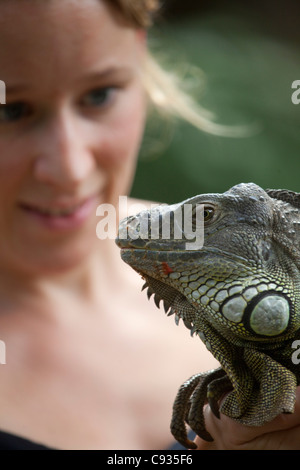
(250, 55)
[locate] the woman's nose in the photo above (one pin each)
(64, 153)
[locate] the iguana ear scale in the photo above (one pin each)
(285, 195)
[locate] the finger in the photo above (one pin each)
(229, 434)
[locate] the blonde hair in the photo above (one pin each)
(140, 13)
(164, 87)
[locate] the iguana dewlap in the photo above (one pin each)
(240, 293)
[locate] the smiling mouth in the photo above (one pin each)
(53, 212)
(62, 210)
(61, 216)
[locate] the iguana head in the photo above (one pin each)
(242, 281)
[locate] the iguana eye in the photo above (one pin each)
(208, 213)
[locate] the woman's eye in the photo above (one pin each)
(98, 97)
(13, 112)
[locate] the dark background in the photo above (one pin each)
(271, 16)
(249, 53)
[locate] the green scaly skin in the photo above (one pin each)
(240, 293)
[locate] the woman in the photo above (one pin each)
(91, 364)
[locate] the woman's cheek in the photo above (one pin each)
(14, 164)
(130, 121)
(121, 139)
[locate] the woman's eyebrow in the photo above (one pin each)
(112, 72)
(109, 72)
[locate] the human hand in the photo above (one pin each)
(283, 433)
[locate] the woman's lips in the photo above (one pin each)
(62, 216)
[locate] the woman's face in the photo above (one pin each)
(71, 128)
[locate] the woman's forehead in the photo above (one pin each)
(43, 19)
(70, 36)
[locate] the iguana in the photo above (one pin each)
(240, 293)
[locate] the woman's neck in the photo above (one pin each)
(86, 281)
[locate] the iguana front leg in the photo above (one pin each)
(270, 391)
(188, 406)
(275, 392)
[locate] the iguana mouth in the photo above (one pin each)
(127, 248)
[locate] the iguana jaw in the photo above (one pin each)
(161, 265)
(174, 302)
(226, 283)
